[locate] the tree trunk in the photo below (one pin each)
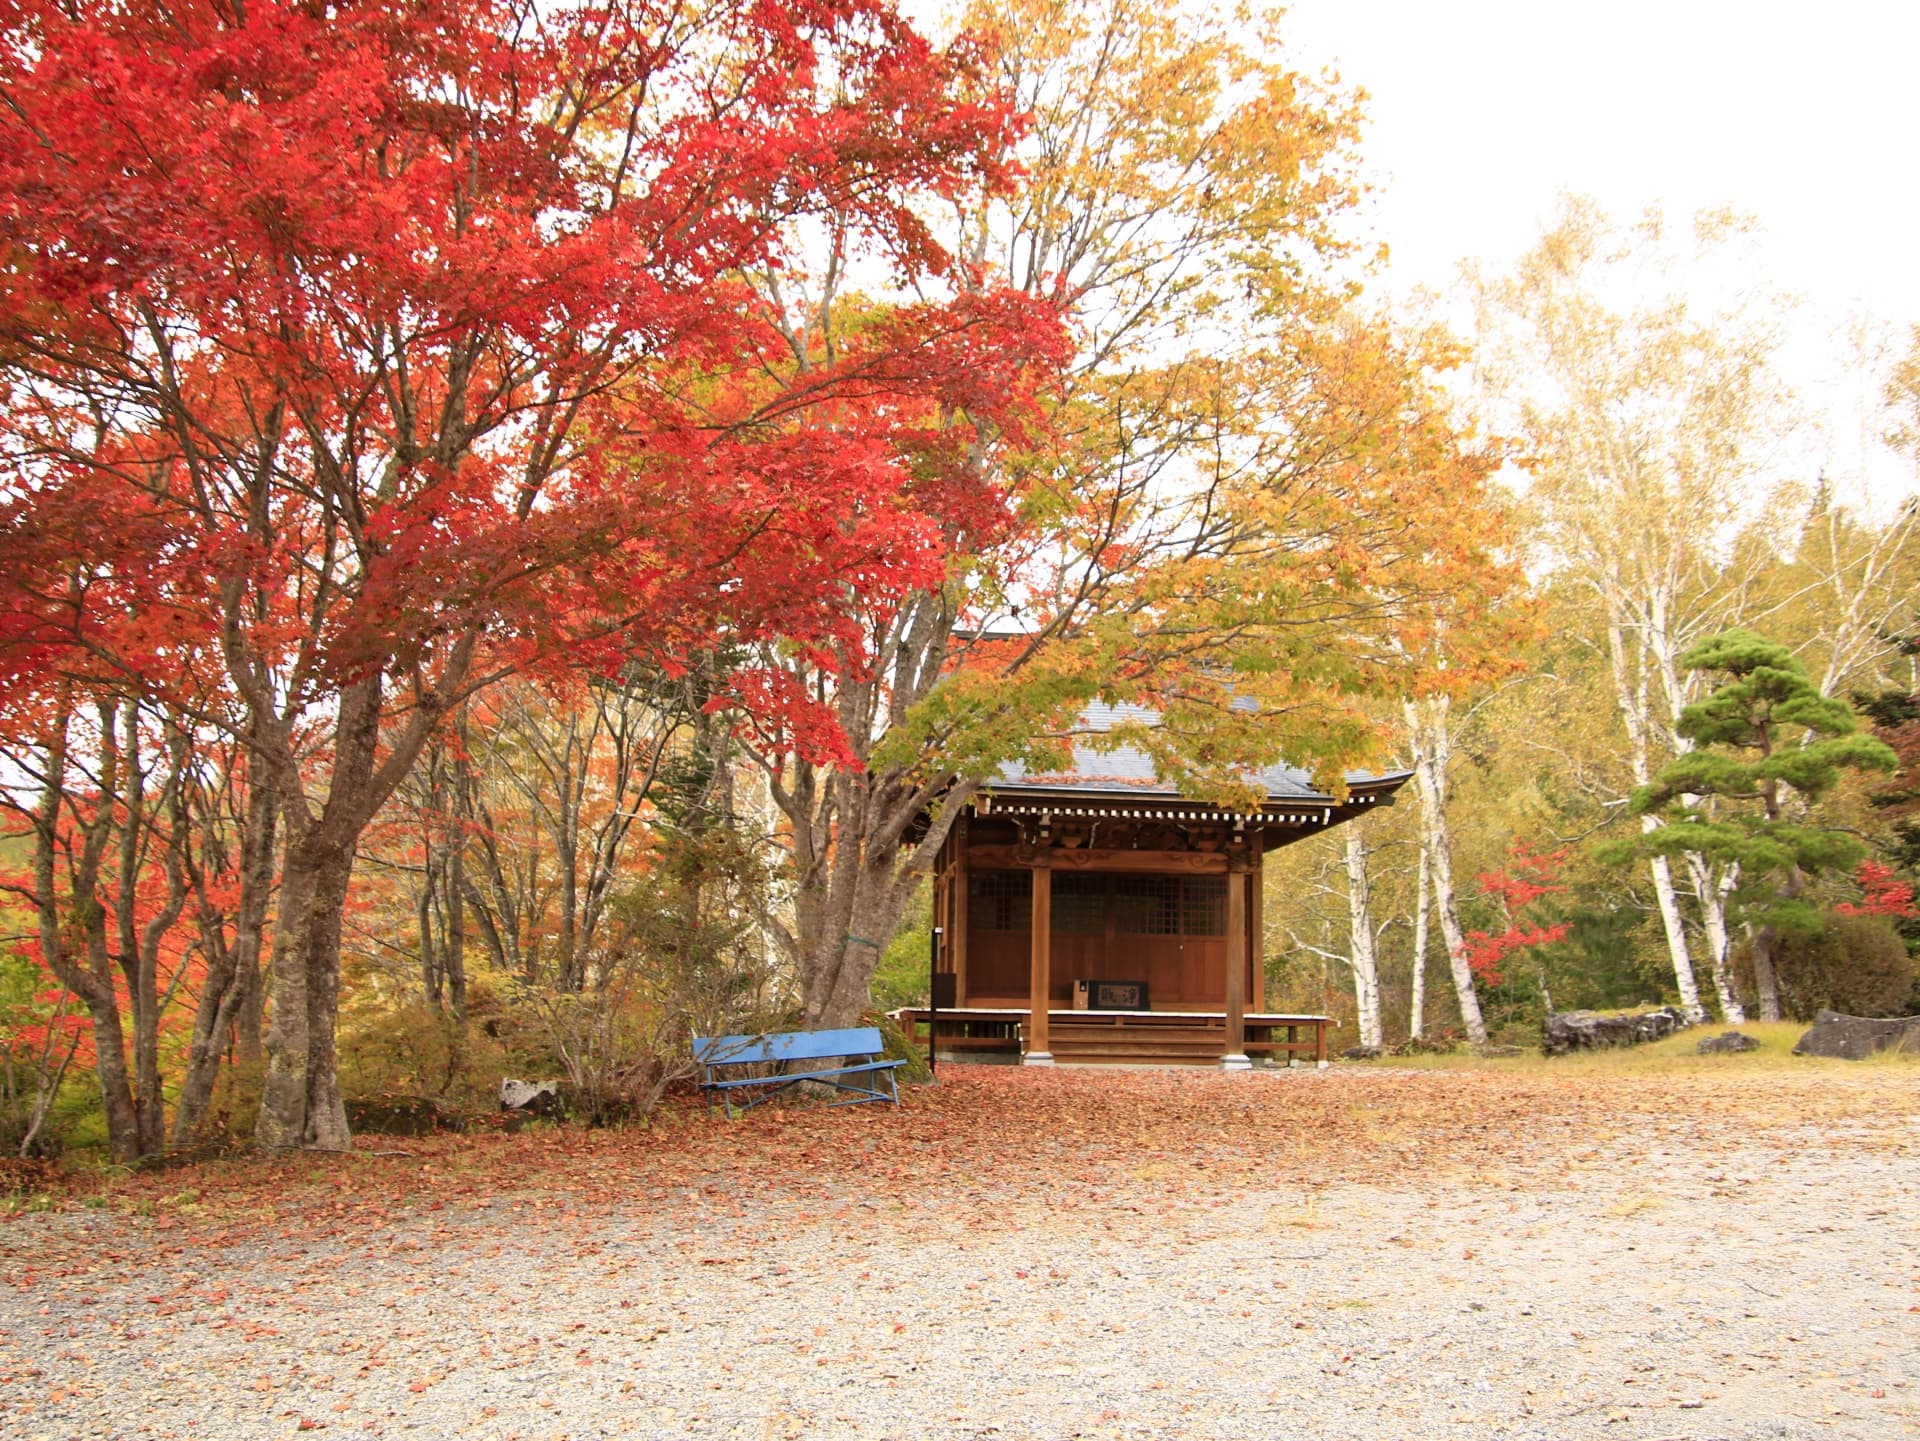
(301, 1105)
(82, 921)
(116, 1089)
(1432, 747)
(457, 920)
(1676, 930)
(841, 981)
(210, 1025)
(1417, 1003)
(138, 949)
(283, 1103)
(566, 847)
(233, 966)
(1470, 1017)
(250, 1014)
(855, 864)
(220, 1004)
(1713, 885)
(423, 908)
(1640, 653)
(858, 873)
(1765, 982)
(1360, 949)
(457, 872)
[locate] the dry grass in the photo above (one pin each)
(1676, 1055)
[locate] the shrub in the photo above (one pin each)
(39, 1037)
(898, 1046)
(687, 959)
(407, 1048)
(901, 977)
(1857, 965)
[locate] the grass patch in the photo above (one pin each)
(1674, 1055)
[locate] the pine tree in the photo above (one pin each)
(1768, 746)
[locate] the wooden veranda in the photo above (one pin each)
(1158, 1037)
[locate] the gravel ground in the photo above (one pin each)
(1344, 1254)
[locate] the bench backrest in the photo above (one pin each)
(787, 1046)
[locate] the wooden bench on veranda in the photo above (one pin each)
(859, 1066)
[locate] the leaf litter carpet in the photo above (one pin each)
(1020, 1254)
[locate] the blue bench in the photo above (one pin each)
(716, 1055)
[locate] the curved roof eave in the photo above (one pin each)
(1291, 793)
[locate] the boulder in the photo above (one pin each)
(533, 1098)
(1565, 1031)
(1727, 1043)
(1854, 1038)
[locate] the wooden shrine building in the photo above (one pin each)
(1099, 915)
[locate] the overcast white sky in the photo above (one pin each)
(1806, 117)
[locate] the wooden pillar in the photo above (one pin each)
(962, 903)
(1235, 1058)
(1257, 928)
(1038, 1052)
(943, 898)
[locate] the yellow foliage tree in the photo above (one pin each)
(1252, 511)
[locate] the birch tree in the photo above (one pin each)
(1332, 914)
(1361, 957)
(1430, 739)
(1417, 985)
(1841, 586)
(1651, 413)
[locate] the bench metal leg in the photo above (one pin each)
(772, 1086)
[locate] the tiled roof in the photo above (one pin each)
(1129, 771)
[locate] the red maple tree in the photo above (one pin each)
(1526, 878)
(1882, 893)
(355, 355)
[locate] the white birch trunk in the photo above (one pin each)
(1360, 950)
(1630, 681)
(1713, 884)
(1417, 1005)
(1432, 748)
(1676, 687)
(1669, 899)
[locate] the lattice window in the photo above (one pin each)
(1147, 905)
(1140, 905)
(1080, 902)
(1203, 905)
(1000, 901)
